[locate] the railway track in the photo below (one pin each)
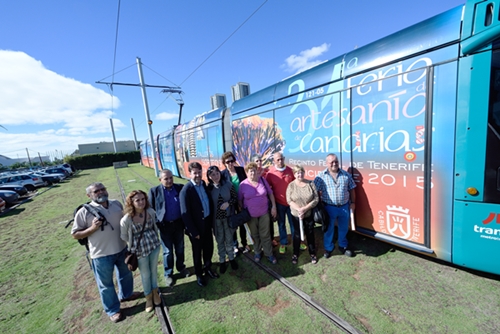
(161, 311)
(166, 324)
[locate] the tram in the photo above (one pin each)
(414, 116)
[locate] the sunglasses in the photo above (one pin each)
(229, 161)
(258, 160)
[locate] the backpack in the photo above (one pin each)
(95, 213)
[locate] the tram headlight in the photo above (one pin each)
(472, 191)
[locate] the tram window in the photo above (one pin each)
(492, 168)
(488, 18)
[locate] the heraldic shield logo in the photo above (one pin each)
(398, 222)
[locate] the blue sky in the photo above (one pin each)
(52, 53)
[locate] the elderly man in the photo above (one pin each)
(164, 199)
(336, 190)
(107, 249)
(195, 212)
(279, 177)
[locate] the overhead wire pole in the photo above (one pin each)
(145, 101)
(146, 110)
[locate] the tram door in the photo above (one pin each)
(384, 141)
(477, 174)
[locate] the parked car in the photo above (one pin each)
(2, 204)
(9, 196)
(67, 167)
(18, 188)
(57, 170)
(30, 182)
(49, 178)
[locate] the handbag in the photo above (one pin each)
(319, 215)
(130, 257)
(239, 219)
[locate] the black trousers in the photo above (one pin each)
(308, 233)
(203, 249)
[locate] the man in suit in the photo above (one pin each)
(195, 212)
(164, 199)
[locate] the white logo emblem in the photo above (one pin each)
(398, 222)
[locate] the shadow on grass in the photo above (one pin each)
(12, 212)
(248, 277)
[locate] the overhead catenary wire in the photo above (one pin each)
(224, 42)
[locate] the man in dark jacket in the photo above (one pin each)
(195, 212)
(164, 199)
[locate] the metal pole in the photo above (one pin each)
(39, 157)
(146, 110)
(29, 160)
(113, 132)
(133, 131)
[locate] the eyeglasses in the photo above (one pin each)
(229, 162)
(99, 190)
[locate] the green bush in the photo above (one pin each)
(89, 161)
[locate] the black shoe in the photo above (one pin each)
(327, 255)
(201, 282)
(346, 252)
(211, 273)
(223, 267)
(234, 265)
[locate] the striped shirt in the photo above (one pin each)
(334, 192)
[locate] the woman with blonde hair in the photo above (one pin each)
(302, 196)
(138, 229)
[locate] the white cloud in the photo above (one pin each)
(305, 59)
(165, 116)
(43, 110)
(32, 94)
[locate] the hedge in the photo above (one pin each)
(89, 161)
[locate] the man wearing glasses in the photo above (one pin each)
(164, 199)
(107, 249)
(336, 189)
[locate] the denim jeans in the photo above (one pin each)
(148, 267)
(103, 268)
(172, 238)
(341, 214)
(282, 211)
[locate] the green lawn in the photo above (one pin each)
(46, 285)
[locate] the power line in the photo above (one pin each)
(224, 42)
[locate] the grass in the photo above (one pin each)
(46, 285)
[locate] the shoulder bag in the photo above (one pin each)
(319, 214)
(130, 257)
(239, 219)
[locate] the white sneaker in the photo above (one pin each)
(169, 281)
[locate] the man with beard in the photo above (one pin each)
(195, 212)
(107, 249)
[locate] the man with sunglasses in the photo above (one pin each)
(107, 249)
(336, 189)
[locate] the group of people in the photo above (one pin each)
(203, 211)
